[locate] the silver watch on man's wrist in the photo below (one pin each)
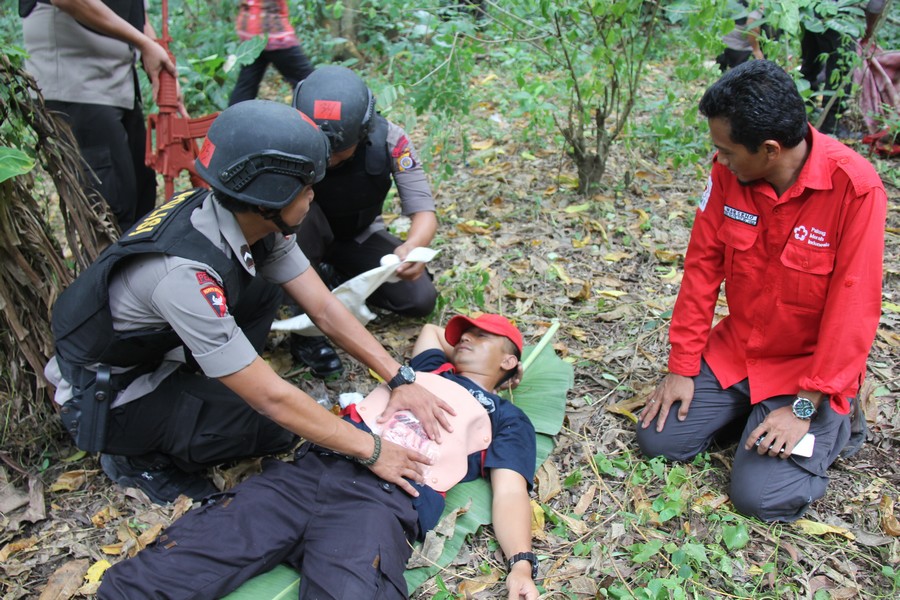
(803, 408)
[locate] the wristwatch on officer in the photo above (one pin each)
(403, 377)
(804, 408)
(530, 557)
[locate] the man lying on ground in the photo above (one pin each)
(347, 531)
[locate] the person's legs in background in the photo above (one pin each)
(249, 78)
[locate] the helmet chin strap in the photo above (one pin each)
(274, 215)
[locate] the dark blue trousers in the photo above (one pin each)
(345, 530)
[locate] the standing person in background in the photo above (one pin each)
(821, 50)
(742, 41)
(344, 227)
(82, 55)
(271, 18)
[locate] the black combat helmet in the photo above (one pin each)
(340, 102)
(263, 153)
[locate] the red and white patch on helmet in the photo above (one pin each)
(328, 110)
(206, 152)
(216, 298)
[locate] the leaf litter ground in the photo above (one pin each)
(516, 239)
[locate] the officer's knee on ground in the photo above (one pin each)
(653, 444)
(422, 304)
(759, 499)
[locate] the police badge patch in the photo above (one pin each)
(216, 298)
(402, 153)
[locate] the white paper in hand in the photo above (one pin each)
(353, 293)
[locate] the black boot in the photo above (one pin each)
(162, 481)
(316, 353)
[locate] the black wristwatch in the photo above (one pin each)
(803, 408)
(404, 376)
(529, 556)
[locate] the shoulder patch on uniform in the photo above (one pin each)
(216, 298)
(402, 154)
(400, 147)
(706, 194)
(205, 278)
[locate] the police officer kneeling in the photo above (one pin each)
(157, 360)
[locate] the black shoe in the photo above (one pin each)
(331, 276)
(859, 430)
(316, 353)
(162, 481)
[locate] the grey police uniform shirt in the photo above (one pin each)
(739, 38)
(412, 185)
(156, 290)
(73, 64)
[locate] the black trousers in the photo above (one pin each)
(113, 144)
(730, 58)
(821, 53)
(197, 421)
(345, 530)
(411, 298)
(292, 63)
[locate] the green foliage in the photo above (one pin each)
(10, 23)
(208, 58)
(600, 49)
(14, 162)
(462, 289)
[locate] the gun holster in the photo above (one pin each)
(86, 414)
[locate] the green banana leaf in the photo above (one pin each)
(542, 395)
(13, 162)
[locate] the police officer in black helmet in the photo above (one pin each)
(344, 228)
(157, 344)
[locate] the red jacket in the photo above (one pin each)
(256, 17)
(802, 278)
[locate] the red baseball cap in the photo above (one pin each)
(491, 323)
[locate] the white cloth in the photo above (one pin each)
(353, 293)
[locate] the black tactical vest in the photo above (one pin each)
(352, 196)
(82, 323)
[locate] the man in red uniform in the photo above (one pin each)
(793, 222)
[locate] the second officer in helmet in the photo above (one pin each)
(344, 229)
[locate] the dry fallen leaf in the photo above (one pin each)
(65, 581)
(105, 515)
(112, 549)
(585, 501)
(470, 587)
(816, 528)
(17, 546)
(889, 522)
(548, 482)
(537, 518)
(95, 572)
